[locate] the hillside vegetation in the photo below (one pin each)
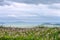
(36, 33)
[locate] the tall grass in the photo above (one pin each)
(37, 33)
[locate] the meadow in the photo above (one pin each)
(35, 33)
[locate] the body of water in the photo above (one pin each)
(21, 25)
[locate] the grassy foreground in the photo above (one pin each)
(37, 33)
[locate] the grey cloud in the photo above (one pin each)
(54, 6)
(4, 2)
(1, 0)
(37, 1)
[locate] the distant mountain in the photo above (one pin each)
(51, 24)
(2, 22)
(11, 22)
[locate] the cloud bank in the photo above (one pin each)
(28, 11)
(37, 1)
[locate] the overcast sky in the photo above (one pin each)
(30, 10)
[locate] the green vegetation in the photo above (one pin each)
(37, 33)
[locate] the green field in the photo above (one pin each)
(35, 33)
